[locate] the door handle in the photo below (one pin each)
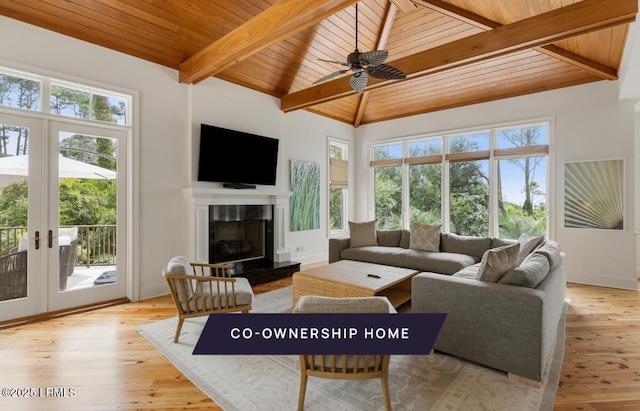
(50, 238)
(37, 240)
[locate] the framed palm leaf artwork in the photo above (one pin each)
(305, 198)
(594, 194)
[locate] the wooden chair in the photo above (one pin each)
(200, 289)
(352, 367)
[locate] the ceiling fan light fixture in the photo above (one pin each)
(363, 65)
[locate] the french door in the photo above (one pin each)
(63, 215)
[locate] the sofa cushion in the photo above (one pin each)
(528, 274)
(389, 238)
(405, 239)
(496, 262)
(527, 244)
(394, 256)
(470, 272)
(441, 263)
(551, 250)
(475, 246)
(363, 234)
(425, 237)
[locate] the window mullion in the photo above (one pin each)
(444, 187)
(494, 201)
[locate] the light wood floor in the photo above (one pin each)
(110, 366)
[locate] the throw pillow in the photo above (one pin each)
(496, 262)
(551, 250)
(425, 237)
(528, 243)
(528, 274)
(363, 234)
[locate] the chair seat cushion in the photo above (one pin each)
(222, 298)
(321, 304)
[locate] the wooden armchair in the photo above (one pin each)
(200, 289)
(349, 366)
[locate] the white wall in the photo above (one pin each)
(302, 135)
(590, 124)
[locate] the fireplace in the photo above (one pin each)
(252, 224)
(239, 233)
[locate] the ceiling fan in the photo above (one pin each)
(363, 65)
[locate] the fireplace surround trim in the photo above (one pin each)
(198, 202)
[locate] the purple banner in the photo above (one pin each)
(290, 334)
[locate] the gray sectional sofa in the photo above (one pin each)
(510, 325)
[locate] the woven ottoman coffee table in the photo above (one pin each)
(347, 278)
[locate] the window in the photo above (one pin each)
(482, 183)
(521, 179)
(468, 158)
(425, 181)
(73, 102)
(388, 185)
(19, 92)
(338, 185)
(31, 92)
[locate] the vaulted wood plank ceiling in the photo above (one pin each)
(455, 52)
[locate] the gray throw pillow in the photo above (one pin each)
(527, 244)
(425, 237)
(363, 234)
(528, 274)
(551, 250)
(496, 262)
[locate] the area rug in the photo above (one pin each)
(436, 382)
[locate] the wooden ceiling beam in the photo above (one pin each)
(593, 67)
(279, 21)
(405, 6)
(559, 24)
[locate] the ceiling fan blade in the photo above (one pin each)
(342, 63)
(330, 76)
(386, 72)
(373, 58)
(358, 81)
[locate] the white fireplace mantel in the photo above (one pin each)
(199, 200)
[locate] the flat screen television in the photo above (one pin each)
(238, 159)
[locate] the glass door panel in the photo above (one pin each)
(90, 266)
(20, 218)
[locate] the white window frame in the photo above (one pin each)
(332, 141)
